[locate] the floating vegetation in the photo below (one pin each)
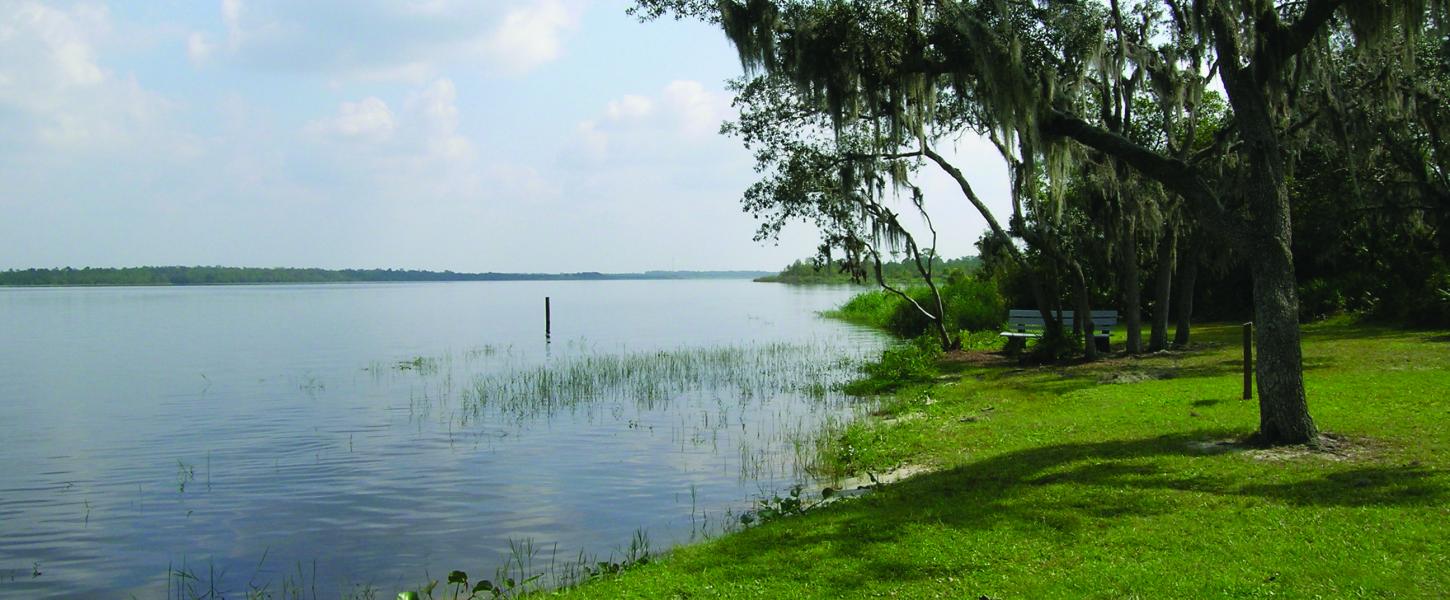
(424, 365)
(486, 351)
(311, 385)
(185, 473)
(519, 576)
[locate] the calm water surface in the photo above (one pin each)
(369, 435)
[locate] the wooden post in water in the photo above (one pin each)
(1248, 361)
(547, 324)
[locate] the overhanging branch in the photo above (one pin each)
(1174, 174)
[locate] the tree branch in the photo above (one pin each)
(1174, 174)
(956, 174)
(1286, 42)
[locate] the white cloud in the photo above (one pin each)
(593, 142)
(629, 107)
(54, 41)
(57, 91)
(696, 111)
(232, 11)
(409, 42)
(674, 124)
(232, 16)
(414, 73)
(417, 153)
(437, 109)
(530, 35)
(426, 129)
(367, 119)
(521, 181)
(198, 48)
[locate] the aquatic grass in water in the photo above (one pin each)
(650, 379)
(773, 404)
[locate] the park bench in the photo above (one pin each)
(1025, 324)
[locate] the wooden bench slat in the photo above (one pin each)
(1029, 314)
(1065, 321)
(1029, 323)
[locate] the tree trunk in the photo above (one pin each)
(1283, 409)
(948, 342)
(939, 319)
(1163, 288)
(1183, 307)
(1044, 306)
(1132, 285)
(1084, 317)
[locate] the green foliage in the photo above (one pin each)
(777, 506)
(1320, 298)
(506, 587)
(873, 309)
(986, 339)
(1054, 346)
(900, 364)
(972, 304)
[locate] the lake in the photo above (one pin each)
(369, 436)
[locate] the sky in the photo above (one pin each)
(470, 135)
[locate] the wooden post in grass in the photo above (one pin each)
(1248, 361)
(547, 324)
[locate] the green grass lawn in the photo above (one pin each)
(1108, 480)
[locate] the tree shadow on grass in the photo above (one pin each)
(1127, 464)
(1364, 332)
(1061, 381)
(1235, 367)
(1063, 490)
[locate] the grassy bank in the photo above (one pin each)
(1119, 479)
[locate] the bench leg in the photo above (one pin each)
(1015, 346)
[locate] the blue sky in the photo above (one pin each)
(502, 135)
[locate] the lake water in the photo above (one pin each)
(344, 436)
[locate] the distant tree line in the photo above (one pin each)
(251, 275)
(815, 271)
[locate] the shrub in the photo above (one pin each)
(985, 339)
(1054, 347)
(907, 320)
(873, 308)
(915, 360)
(971, 304)
(974, 305)
(1319, 298)
(899, 364)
